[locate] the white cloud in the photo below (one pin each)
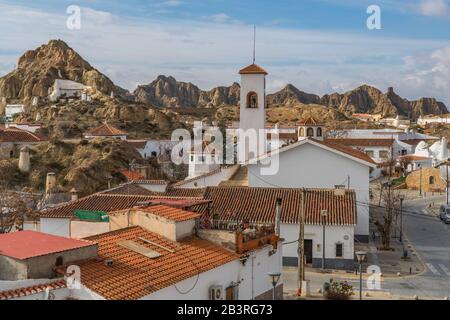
(434, 8)
(221, 17)
(169, 3)
(208, 53)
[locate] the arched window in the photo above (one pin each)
(310, 132)
(431, 180)
(252, 100)
(319, 132)
(301, 132)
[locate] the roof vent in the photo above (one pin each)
(108, 263)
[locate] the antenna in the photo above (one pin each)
(254, 43)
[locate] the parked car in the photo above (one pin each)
(444, 213)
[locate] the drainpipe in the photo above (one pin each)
(278, 217)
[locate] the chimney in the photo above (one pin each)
(278, 217)
(74, 194)
(50, 184)
(24, 160)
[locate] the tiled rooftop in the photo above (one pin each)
(133, 275)
(19, 135)
(170, 213)
(105, 130)
(253, 69)
(363, 142)
(257, 205)
(26, 291)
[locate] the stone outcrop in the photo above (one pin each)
(166, 92)
(38, 69)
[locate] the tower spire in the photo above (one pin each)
(254, 43)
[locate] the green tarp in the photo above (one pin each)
(87, 215)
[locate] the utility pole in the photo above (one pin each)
(420, 182)
(324, 215)
(401, 217)
(348, 181)
(301, 245)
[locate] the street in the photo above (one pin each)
(431, 240)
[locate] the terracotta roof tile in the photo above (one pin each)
(105, 130)
(253, 69)
(258, 204)
(363, 142)
(26, 291)
(133, 276)
(112, 202)
(131, 175)
(19, 135)
(348, 150)
(169, 213)
(310, 121)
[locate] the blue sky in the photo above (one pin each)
(318, 45)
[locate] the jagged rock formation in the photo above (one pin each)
(166, 92)
(291, 96)
(169, 93)
(37, 70)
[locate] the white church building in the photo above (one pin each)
(310, 162)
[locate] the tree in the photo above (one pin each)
(391, 209)
(13, 210)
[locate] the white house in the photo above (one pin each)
(13, 109)
(146, 261)
(259, 206)
(311, 163)
(443, 119)
(106, 131)
(66, 89)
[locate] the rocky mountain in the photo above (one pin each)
(291, 96)
(166, 92)
(169, 93)
(37, 70)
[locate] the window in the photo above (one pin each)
(404, 152)
(192, 158)
(310, 132)
(319, 132)
(369, 153)
(252, 100)
(339, 250)
(431, 180)
(59, 261)
(11, 154)
(301, 132)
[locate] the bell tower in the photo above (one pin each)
(253, 98)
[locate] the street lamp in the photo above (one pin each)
(360, 255)
(402, 197)
(274, 277)
(324, 216)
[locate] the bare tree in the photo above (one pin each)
(13, 210)
(390, 211)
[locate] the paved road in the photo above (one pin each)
(430, 237)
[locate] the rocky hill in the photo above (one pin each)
(37, 70)
(169, 93)
(166, 92)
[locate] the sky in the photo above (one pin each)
(320, 46)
